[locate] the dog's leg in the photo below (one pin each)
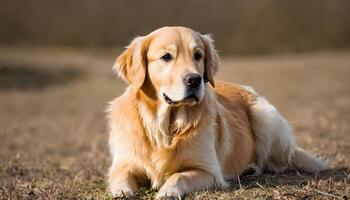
(122, 182)
(276, 147)
(185, 182)
(275, 142)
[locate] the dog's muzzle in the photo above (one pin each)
(192, 82)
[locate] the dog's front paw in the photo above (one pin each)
(122, 193)
(171, 192)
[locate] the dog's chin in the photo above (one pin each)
(190, 100)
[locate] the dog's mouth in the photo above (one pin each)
(189, 99)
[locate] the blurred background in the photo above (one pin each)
(56, 79)
(239, 26)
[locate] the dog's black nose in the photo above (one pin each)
(193, 80)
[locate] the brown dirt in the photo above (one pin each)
(53, 135)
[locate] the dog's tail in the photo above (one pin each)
(307, 162)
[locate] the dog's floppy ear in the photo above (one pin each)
(211, 59)
(131, 64)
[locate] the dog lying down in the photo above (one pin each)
(180, 131)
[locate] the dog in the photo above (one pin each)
(179, 130)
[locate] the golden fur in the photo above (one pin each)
(193, 145)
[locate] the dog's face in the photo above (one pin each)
(175, 61)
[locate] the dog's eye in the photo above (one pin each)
(166, 57)
(197, 56)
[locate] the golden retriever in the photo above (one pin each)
(179, 130)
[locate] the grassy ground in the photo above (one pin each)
(53, 138)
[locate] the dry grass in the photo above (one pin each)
(53, 138)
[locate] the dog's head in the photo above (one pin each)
(170, 64)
